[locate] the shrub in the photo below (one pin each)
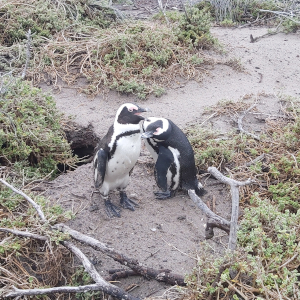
(30, 132)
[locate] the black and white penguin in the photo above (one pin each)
(173, 155)
(116, 155)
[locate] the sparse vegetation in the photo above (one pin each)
(72, 39)
(138, 58)
(268, 236)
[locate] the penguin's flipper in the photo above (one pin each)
(126, 202)
(163, 163)
(100, 161)
(111, 209)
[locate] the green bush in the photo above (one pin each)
(30, 131)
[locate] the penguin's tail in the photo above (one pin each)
(199, 190)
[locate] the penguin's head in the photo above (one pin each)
(156, 128)
(129, 113)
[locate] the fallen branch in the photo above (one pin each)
(63, 289)
(35, 205)
(234, 185)
(28, 54)
(25, 234)
(102, 284)
(282, 14)
(240, 125)
(119, 273)
(160, 275)
(219, 176)
(257, 159)
(213, 219)
(160, 5)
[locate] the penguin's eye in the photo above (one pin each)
(130, 109)
(158, 131)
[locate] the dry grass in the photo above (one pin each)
(138, 58)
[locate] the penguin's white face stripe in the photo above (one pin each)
(154, 119)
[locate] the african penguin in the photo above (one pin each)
(116, 155)
(173, 155)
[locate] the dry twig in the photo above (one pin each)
(33, 203)
(240, 125)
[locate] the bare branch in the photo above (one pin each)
(25, 234)
(219, 176)
(234, 184)
(234, 217)
(101, 284)
(160, 275)
(28, 54)
(63, 289)
(240, 119)
(254, 161)
(162, 10)
(119, 273)
(35, 205)
(213, 219)
(88, 266)
(288, 15)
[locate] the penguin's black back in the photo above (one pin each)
(103, 143)
(178, 140)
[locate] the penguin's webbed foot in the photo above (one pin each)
(163, 195)
(126, 202)
(111, 209)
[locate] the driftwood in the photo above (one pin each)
(66, 289)
(215, 220)
(160, 275)
(25, 234)
(101, 284)
(234, 185)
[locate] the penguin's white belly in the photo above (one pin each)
(174, 178)
(123, 160)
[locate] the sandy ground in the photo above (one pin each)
(167, 234)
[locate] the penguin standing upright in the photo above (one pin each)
(116, 155)
(174, 157)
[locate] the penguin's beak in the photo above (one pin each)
(141, 110)
(147, 135)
